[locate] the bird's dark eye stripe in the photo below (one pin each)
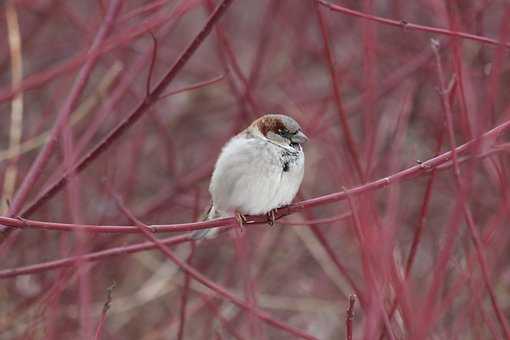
(285, 132)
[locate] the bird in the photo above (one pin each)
(257, 171)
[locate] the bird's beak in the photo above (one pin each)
(299, 138)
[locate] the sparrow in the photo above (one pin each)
(258, 170)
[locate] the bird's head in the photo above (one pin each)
(279, 129)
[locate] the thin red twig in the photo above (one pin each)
(424, 167)
(133, 117)
(335, 85)
(38, 79)
(95, 256)
(154, 55)
(405, 25)
(461, 191)
(194, 86)
(78, 86)
(184, 296)
(350, 316)
(196, 275)
(106, 307)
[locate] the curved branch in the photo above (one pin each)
(410, 26)
(440, 162)
(133, 117)
(91, 257)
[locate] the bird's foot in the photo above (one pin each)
(271, 217)
(241, 221)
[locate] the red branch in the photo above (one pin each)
(62, 117)
(133, 117)
(91, 257)
(106, 307)
(127, 36)
(196, 275)
(350, 316)
(410, 26)
(441, 162)
(335, 84)
(461, 191)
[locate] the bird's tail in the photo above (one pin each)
(209, 214)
